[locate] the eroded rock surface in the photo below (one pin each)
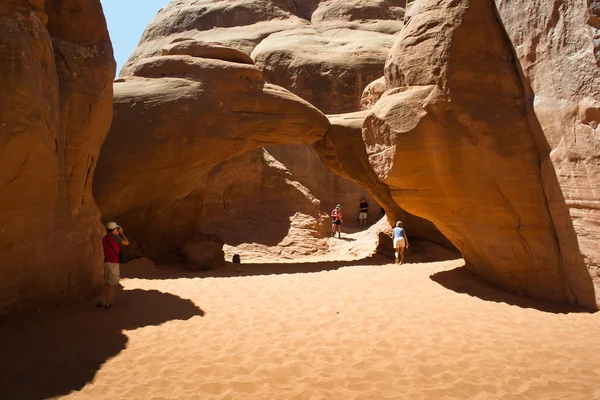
(180, 116)
(256, 204)
(452, 140)
(324, 51)
(343, 151)
(55, 109)
(557, 44)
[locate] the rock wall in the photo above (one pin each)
(254, 202)
(57, 67)
(324, 51)
(177, 117)
(343, 151)
(557, 44)
(452, 139)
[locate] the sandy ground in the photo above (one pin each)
(321, 330)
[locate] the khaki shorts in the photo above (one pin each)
(399, 243)
(362, 215)
(111, 273)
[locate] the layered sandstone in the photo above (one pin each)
(262, 208)
(55, 109)
(181, 115)
(557, 45)
(342, 150)
(452, 140)
(323, 51)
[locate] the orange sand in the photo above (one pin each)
(417, 331)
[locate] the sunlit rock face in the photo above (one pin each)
(453, 138)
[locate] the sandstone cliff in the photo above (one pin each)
(557, 46)
(452, 138)
(55, 110)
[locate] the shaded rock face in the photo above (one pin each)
(175, 118)
(203, 253)
(557, 44)
(55, 110)
(343, 151)
(254, 202)
(452, 140)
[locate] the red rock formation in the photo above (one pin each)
(325, 52)
(176, 118)
(288, 42)
(558, 54)
(57, 68)
(343, 151)
(453, 142)
(254, 202)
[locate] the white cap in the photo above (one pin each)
(112, 225)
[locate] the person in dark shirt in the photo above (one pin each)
(110, 244)
(362, 215)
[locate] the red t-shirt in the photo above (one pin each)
(111, 249)
(336, 214)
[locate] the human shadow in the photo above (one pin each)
(419, 251)
(54, 353)
(461, 280)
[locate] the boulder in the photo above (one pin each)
(203, 252)
(56, 69)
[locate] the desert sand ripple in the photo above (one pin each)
(358, 332)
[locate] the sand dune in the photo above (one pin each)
(380, 331)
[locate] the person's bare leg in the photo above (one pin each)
(339, 229)
(396, 254)
(402, 255)
(103, 292)
(110, 295)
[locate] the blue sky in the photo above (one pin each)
(127, 20)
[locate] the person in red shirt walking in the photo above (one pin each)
(110, 244)
(337, 220)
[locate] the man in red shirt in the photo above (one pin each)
(336, 222)
(110, 244)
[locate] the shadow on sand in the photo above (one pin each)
(461, 280)
(54, 353)
(177, 271)
(422, 253)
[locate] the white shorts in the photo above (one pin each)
(111, 273)
(399, 243)
(362, 215)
